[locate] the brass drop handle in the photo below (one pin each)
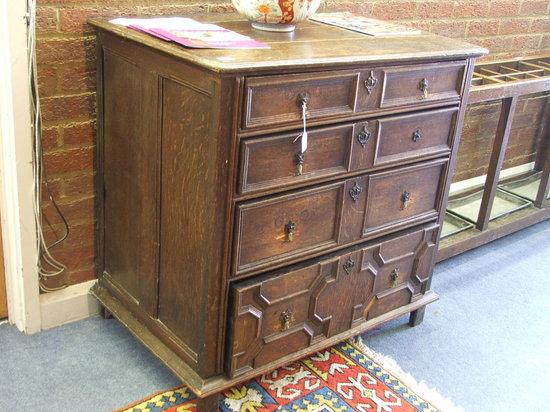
(417, 135)
(299, 160)
(394, 277)
(423, 86)
(303, 99)
(371, 82)
(286, 318)
(405, 199)
(364, 136)
(290, 228)
(349, 265)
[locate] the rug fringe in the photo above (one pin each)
(430, 395)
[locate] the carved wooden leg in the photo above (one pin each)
(104, 313)
(208, 404)
(417, 317)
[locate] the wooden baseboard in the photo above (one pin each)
(67, 305)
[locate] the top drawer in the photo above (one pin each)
(274, 102)
(277, 100)
(421, 84)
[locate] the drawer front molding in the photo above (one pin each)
(335, 215)
(276, 100)
(404, 86)
(403, 195)
(288, 311)
(289, 225)
(414, 136)
(272, 163)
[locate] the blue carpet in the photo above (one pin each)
(485, 344)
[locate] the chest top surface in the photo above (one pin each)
(311, 45)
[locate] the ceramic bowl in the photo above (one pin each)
(276, 15)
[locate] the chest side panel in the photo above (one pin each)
(187, 205)
(129, 152)
(164, 161)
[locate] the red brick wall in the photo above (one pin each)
(67, 83)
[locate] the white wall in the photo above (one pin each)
(16, 174)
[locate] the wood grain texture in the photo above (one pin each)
(312, 44)
(270, 164)
(187, 145)
(414, 136)
(387, 191)
(497, 159)
(136, 123)
(331, 216)
(210, 386)
(286, 312)
(131, 145)
(261, 226)
(402, 85)
(274, 100)
(209, 202)
(192, 215)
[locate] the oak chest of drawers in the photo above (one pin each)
(226, 249)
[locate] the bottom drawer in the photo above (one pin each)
(283, 312)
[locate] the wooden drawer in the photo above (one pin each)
(285, 312)
(274, 231)
(274, 162)
(414, 136)
(276, 100)
(286, 226)
(404, 86)
(403, 195)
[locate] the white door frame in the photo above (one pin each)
(16, 173)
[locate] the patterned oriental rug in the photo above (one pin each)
(347, 377)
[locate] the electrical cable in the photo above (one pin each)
(48, 266)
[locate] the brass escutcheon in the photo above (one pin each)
(394, 277)
(349, 265)
(405, 198)
(286, 318)
(364, 136)
(370, 83)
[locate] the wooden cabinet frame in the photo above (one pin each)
(507, 81)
